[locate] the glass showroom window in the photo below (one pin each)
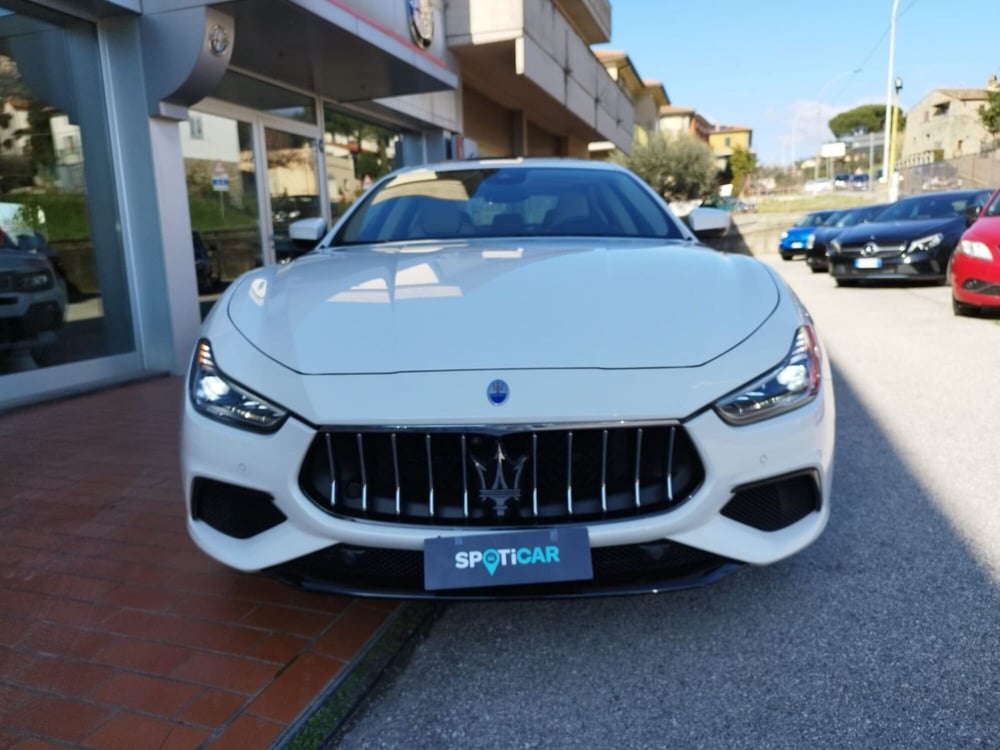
(357, 153)
(63, 291)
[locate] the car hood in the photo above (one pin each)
(899, 232)
(797, 232)
(986, 229)
(494, 305)
(826, 234)
(22, 260)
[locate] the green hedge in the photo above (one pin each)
(65, 215)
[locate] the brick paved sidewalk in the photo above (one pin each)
(115, 631)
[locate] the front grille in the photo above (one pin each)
(776, 503)
(658, 565)
(516, 479)
(873, 251)
(6, 281)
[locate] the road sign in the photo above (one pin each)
(220, 177)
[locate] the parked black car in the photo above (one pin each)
(912, 239)
(206, 264)
(849, 217)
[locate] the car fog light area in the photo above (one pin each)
(793, 383)
(213, 395)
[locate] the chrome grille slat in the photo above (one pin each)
(465, 479)
(670, 464)
(364, 473)
(333, 471)
(534, 473)
(448, 477)
(638, 462)
(604, 471)
(430, 476)
(395, 472)
(569, 472)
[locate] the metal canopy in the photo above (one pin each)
(328, 49)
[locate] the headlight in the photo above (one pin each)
(810, 240)
(217, 397)
(925, 243)
(784, 235)
(975, 250)
(34, 281)
(793, 383)
(834, 247)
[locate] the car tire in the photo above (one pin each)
(786, 257)
(817, 268)
(846, 282)
(963, 309)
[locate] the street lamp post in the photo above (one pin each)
(894, 137)
(888, 97)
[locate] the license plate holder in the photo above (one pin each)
(507, 558)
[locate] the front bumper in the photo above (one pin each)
(975, 282)
(689, 544)
(916, 266)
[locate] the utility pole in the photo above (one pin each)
(887, 167)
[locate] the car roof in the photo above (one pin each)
(519, 162)
(964, 193)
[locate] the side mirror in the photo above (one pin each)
(708, 222)
(305, 233)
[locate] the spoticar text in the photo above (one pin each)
(491, 559)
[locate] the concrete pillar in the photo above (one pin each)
(518, 133)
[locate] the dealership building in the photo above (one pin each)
(152, 151)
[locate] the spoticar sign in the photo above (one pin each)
(507, 559)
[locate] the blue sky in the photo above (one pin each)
(785, 67)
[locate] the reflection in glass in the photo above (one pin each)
(266, 97)
(63, 290)
(357, 154)
(293, 184)
(222, 198)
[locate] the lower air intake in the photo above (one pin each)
(776, 503)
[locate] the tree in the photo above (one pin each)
(678, 168)
(989, 113)
(742, 163)
(868, 118)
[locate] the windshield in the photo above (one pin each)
(929, 206)
(507, 202)
(835, 219)
(993, 208)
(813, 219)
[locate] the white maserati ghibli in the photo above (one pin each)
(507, 378)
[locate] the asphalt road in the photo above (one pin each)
(883, 634)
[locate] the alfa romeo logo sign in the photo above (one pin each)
(421, 22)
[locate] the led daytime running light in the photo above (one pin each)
(217, 397)
(790, 385)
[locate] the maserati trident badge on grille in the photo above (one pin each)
(497, 392)
(506, 484)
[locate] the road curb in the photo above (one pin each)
(319, 724)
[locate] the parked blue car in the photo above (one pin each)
(797, 239)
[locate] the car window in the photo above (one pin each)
(930, 206)
(507, 202)
(813, 219)
(835, 219)
(993, 207)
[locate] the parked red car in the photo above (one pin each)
(975, 264)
